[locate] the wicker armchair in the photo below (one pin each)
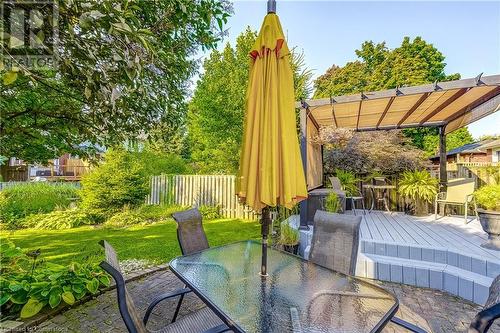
(483, 320)
(203, 320)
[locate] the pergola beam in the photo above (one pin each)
(468, 108)
(413, 108)
(427, 88)
(390, 127)
(450, 100)
(387, 107)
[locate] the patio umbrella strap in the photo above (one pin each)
(265, 222)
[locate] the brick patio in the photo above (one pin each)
(433, 310)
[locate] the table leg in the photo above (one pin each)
(372, 192)
(384, 199)
(353, 206)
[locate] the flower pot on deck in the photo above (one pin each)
(490, 221)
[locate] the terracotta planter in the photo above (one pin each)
(490, 221)
(293, 249)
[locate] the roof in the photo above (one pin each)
(479, 147)
(492, 144)
(453, 104)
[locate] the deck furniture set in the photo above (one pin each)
(316, 295)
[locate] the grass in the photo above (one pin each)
(156, 242)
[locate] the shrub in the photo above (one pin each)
(28, 285)
(121, 180)
(288, 235)
(418, 185)
(210, 212)
(19, 201)
(332, 203)
(488, 197)
(349, 181)
(143, 215)
(59, 219)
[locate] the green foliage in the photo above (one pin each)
(209, 212)
(19, 201)
(112, 90)
(121, 180)
(418, 185)
(142, 215)
(387, 152)
(427, 139)
(28, 285)
(156, 242)
(157, 162)
(349, 182)
(488, 197)
(332, 203)
(59, 219)
(216, 111)
(288, 235)
(414, 62)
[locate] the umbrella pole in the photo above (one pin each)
(266, 219)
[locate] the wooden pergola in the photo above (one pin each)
(445, 105)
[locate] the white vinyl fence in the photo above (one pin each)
(198, 190)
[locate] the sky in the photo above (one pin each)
(328, 32)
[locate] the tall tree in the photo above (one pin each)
(216, 111)
(378, 67)
(123, 66)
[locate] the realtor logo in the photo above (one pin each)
(29, 33)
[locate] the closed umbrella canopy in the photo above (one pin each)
(271, 171)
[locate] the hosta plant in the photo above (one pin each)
(28, 284)
(420, 187)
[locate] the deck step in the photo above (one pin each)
(457, 281)
(441, 255)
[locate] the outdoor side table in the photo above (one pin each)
(384, 198)
(296, 296)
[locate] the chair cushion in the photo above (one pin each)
(196, 322)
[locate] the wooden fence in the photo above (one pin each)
(199, 190)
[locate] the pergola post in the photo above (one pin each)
(443, 175)
(303, 151)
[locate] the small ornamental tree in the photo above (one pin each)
(121, 180)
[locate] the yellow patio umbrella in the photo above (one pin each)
(271, 171)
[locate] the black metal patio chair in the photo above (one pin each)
(335, 245)
(203, 320)
(485, 318)
(190, 233)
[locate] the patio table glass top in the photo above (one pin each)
(296, 296)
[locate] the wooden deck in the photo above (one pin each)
(445, 254)
(450, 233)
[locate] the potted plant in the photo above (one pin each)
(289, 238)
(488, 199)
(420, 187)
(332, 203)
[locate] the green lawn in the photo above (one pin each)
(157, 242)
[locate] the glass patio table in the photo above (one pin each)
(296, 296)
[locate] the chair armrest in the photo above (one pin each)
(409, 326)
(484, 319)
(218, 329)
(163, 297)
